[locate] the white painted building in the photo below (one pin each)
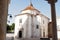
(30, 23)
(58, 27)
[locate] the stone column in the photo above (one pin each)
(3, 18)
(54, 26)
(53, 17)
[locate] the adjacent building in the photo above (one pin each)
(58, 27)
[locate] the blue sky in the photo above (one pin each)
(16, 6)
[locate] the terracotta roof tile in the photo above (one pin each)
(30, 7)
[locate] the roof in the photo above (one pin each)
(30, 7)
(32, 14)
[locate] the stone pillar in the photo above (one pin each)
(53, 17)
(3, 18)
(54, 26)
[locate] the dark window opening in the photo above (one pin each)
(37, 26)
(20, 34)
(43, 34)
(20, 20)
(43, 21)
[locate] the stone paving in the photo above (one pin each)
(9, 36)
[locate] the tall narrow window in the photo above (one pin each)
(43, 21)
(20, 21)
(37, 26)
(43, 32)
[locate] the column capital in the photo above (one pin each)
(51, 1)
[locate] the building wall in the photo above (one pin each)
(29, 27)
(19, 26)
(37, 22)
(44, 26)
(26, 11)
(29, 24)
(58, 28)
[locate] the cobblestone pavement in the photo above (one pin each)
(9, 36)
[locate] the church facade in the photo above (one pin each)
(30, 23)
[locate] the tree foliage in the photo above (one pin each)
(10, 28)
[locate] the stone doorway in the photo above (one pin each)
(20, 34)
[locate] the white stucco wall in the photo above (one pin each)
(58, 27)
(37, 22)
(29, 24)
(44, 25)
(58, 34)
(26, 11)
(19, 26)
(29, 27)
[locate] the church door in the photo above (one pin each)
(20, 34)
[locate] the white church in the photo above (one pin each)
(30, 23)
